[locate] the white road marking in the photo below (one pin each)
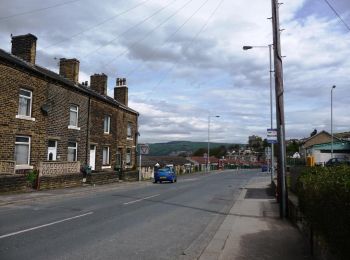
(45, 225)
(134, 201)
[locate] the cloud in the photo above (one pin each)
(182, 65)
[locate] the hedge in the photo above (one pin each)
(324, 197)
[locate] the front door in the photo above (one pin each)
(52, 150)
(92, 156)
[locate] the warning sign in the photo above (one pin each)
(144, 148)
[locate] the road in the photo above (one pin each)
(124, 221)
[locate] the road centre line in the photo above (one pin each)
(45, 225)
(134, 201)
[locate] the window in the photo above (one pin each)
(105, 156)
(72, 151)
(128, 156)
(107, 124)
(22, 150)
(25, 105)
(119, 158)
(129, 131)
(73, 116)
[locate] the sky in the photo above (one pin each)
(184, 63)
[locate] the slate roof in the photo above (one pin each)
(12, 59)
(162, 160)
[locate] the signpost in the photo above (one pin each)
(143, 149)
(272, 136)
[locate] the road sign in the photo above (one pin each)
(205, 155)
(144, 148)
(272, 136)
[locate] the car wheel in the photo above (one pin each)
(172, 180)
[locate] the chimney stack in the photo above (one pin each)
(121, 91)
(24, 47)
(98, 82)
(69, 69)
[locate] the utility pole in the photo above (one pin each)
(281, 168)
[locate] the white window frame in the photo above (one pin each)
(27, 165)
(107, 124)
(106, 163)
(73, 109)
(30, 98)
(129, 131)
(73, 148)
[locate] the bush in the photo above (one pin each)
(32, 177)
(324, 196)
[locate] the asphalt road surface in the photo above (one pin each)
(124, 221)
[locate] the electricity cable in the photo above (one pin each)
(98, 24)
(148, 34)
(130, 28)
(337, 14)
(172, 35)
(38, 10)
(188, 45)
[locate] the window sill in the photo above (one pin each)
(106, 167)
(106, 133)
(129, 138)
(73, 127)
(25, 117)
(24, 167)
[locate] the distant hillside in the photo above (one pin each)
(178, 146)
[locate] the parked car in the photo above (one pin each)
(165, 174)
(264, 168)
(337, 161)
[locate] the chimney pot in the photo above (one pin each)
(69, 69)
(121, 91)
(98, 82)
(24, 47)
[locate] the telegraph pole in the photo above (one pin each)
(281, 168)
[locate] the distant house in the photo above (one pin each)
(181, 164)
(320, 145)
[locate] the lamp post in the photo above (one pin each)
(208, 155)
(271, 110)
(333, 87)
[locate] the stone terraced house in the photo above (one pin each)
(49, 117)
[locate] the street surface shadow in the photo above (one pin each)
(281, 242)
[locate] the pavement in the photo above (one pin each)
(254, 230)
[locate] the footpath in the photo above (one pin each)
(253, 229)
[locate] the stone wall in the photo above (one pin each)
(13, 183)
(60, 181)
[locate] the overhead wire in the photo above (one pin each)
(129, 29)
(189, 44)
(98, 24)
(337, 14)
(148, 34)
(173, 34)
(38, 10)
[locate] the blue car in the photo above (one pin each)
(165, 174)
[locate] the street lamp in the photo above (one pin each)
(333, 87)
(271, 111)
(208, 155)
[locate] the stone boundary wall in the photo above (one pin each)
(58, 168)
(102, 178)
(13, 183)
(60, 181)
